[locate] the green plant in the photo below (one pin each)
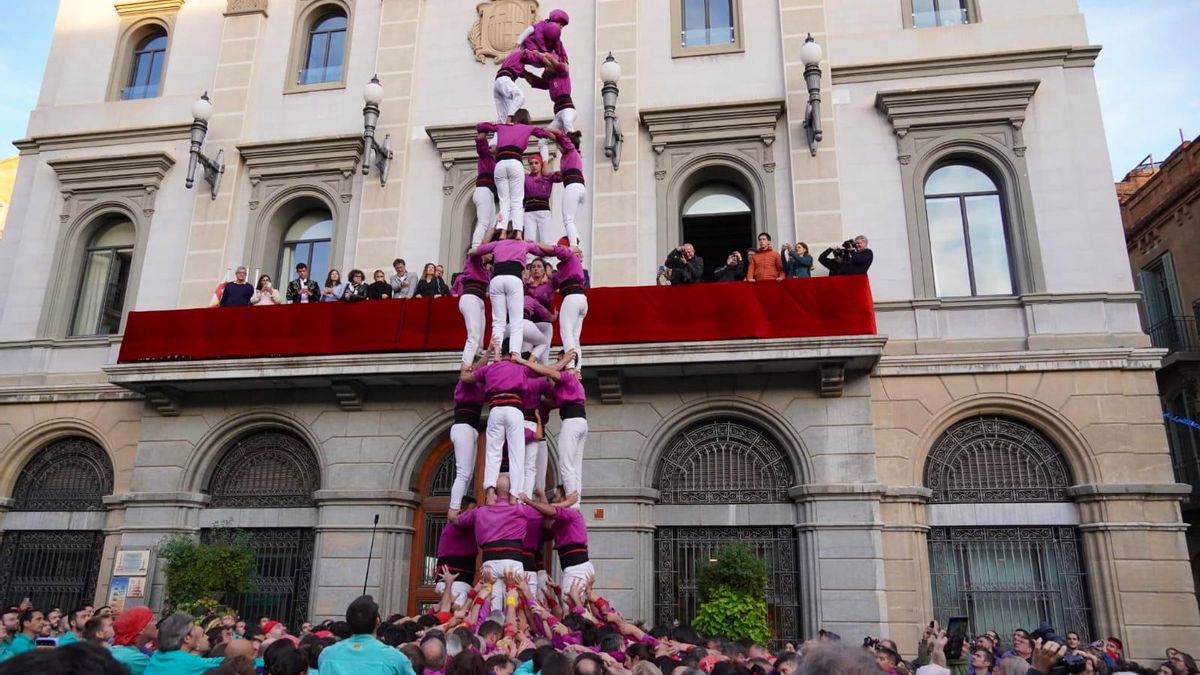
(734, 615)
(736, 568)
(200, 576)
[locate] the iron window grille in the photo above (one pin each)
(282, 580)
(993, 459)
(723, 462)
(72, 474)
(52, 569)
(265, 470)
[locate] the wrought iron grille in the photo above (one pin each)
(723, 462)
(434, 524)
(267, 469)
(681, 551)
(993, 459)
(73, 474)
(443, 478)
(1004, 578)
(52, 569)
(282, 580)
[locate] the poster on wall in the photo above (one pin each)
(118, 590)
(137, 587)
(132, 563)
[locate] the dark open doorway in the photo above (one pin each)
(717, 219)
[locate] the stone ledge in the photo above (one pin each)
(1128, 358)
(637, 495)
(186, 499)
(1129, 491)
(907, 493)
(1133, 527)
(836, 491)
(361, 497)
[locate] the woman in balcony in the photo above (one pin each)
(355, 289)
(430, 285)
(265, 293)
(333, 288)
(797, 261)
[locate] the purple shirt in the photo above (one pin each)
(473, 270)
(536, 311)
(570, 267)
(544, 292)
(556, 82)
(504, 377)
(498, 522)
(569, 528)
(458, 539)
(512, 135)
(568, 390)
(540, 187)
(487, 159)
(570, 159)
(469, 393)
(509, 250)
(516, 60)
(534, 532)
(537, 41)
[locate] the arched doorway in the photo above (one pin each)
(58, 567)
(725, 461)
(270, 470)
(1018, 561)
(717, 216)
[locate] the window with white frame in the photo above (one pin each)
(107, 263)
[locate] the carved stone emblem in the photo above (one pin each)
(494, 33)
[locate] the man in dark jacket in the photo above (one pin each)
(733, 269)
(683, 266)
(856, 260)
(303, 289)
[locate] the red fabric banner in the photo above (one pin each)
(817, 307)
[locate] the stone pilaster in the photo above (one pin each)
(815, 194)
(149, 518)
(620, 525)
(379, 232)
(208, 239)
(906, 562)
(614, 233)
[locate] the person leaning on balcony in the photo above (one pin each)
(404, 283)
(266, 294)
(302, 289)
(797, 261)
(380, 289)
(355, 289)
(682, 266)
(237, 293)
(765, 264)
(733, 269)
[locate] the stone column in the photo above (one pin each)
(614, 232)
(621, 545)
(1136, 559)
(208, 239)
(344, 542)
(152, 516)
(815, 195)
(379, 232)
(906, 562)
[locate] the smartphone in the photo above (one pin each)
(956, 633)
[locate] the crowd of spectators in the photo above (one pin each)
(431, 283)
(764, 263)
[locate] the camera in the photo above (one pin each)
(870, 642)
(1071, 663)
(844, 252)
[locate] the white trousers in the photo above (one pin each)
(498, 568)
(570, 323)
(507, 295)
(576, 574)
(535, 479)
(485, 214)
(572, 200)
(564, 121)
(509, 98)
(536, 339)
(471, 307)
(572, 436)
(458, 591)
(505, 423)
(537, 227)
(510, 187)
(543, 461)
(464, 438)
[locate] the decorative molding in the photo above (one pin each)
(1053, 57)
(166, 400)
(610, 387)
(988, 302)
(831, 377)
(499, 23)
(128, 7)
(165, 133)
(350, 394)
(1093, 492)
(719, 122)
(238, 7)
(1020, 362)
(134, 176)
(272, 166)
(47, 393)
(969, 104)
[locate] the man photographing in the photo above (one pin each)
(853, 258)
(682, 266)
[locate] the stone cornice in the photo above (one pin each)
(1020, 361)
(360, 497)
(65, 392)
(1005, 301)
(837, 492)
(104, 137)
(238, 7)
(1095, 492)
(302, 157)
(113, 172)
(965, 104)
(1052, 57)
(195, 500)
(127, 7)
(713, 122)
(455, 143)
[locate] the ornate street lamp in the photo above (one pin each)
(202, 111)
(810, 56)
(610, 73)
(373, 95)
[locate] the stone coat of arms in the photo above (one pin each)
(494, 34)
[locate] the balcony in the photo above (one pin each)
(825, 325)
(1175, 334)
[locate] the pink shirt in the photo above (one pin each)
(569, 528)
(509, 250)
(544, 292)
(468, 393)
(505, 377)
(568, 390)
(487, 159)
(514, 63)
(498, 522)
(511, 139)
(570, 159)
(537, 40)
(536, 311)
(457, 540)
(570, 267)
(541, 187)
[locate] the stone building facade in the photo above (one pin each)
(995, 451)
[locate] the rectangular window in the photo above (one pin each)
(706, 27)
(1165, 322)
(934, 13)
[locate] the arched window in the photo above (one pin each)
(264, 470)
(967, 232)
(307, 241)
(72, 474)
(106, 267)
(1017, 560)
(717, 219)
(326, 51)
(723, 462)
(146, 70)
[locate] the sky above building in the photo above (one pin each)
(1147, 76)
